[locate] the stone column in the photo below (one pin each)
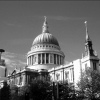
(62, 60)
(53, 58)
(59, 59)
(37, 58)
(45, 57)
(49, 58)
(61, 76)
(56, 58)
(27, 60)
(31, 60)
(24, 80)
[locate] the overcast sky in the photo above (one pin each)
(21, 22)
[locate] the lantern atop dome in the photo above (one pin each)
(45, 26)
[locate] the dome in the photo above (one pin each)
(45, 52)
(45, 38)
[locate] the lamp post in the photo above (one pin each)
(53, 91)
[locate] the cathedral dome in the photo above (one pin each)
(45, 52)
(45, 38)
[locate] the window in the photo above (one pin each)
(51, 58)
(94, 66)
(39, 58)
(67, 75)
(86, 66)
(54, 58)
(58, 59)
(57, 76)
(35, 58)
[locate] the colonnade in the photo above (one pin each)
(45, 58)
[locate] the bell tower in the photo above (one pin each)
(90, 57)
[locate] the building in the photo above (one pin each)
(3, 70)
(72, 71)
(46, 57)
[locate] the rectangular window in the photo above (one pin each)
(94, 66)
(54, 58)
(57, 76)
(85, 66)
(66, 75)
(51, 58)
(72, 72)
(39, 58)
(58, 59)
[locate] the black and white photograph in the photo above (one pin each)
(49, 50)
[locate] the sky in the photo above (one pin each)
(21, 22)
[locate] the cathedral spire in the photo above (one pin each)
(88, 43)
(45, 26)
(87, 35)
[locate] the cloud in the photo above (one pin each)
(12, 60)
(64, 18)
(13, 55)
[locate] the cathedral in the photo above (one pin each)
(46, 58)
